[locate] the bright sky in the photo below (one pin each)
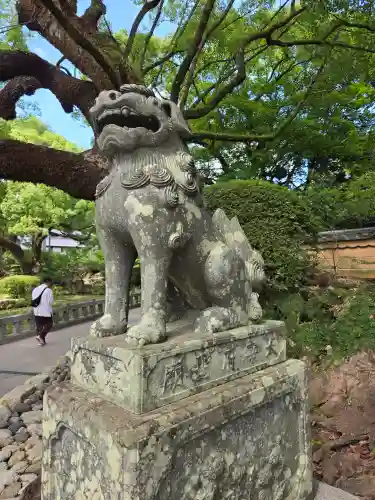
(120, 14)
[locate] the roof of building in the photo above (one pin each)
(364, 233)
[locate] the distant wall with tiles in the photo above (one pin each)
(348, 253)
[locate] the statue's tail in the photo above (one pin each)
(233, 235)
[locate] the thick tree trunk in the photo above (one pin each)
(96, 54)
(76, 174)
(25, 73)
(36, 249)
(12, 246)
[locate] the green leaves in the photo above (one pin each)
(34, 209)
(11, 34)
(31, 129)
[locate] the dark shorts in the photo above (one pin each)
(43, 325)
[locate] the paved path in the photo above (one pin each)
(22, 359)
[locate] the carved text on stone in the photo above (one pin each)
(229, 357)
(271, 347)
(252, 349)
(173, 376)
(199, 371)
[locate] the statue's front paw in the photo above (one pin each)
(146, 333)
(106, 326)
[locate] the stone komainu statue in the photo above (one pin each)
(151, 204)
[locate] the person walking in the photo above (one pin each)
(42, 301)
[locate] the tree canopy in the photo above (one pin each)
(35, 211)
(271, 89)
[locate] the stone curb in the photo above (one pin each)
(21, 392)
(21, 426)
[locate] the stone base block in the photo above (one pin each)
(245, 439)
(143, 379)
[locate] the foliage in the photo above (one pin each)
(33, 211)
(277, 222)
(35, 208)
(27, 209)
(9, 304)
(23, 305)
(342, 320)
(349, 206)
(331, 137)
(11, 34)
(18, 287)
(75, 264)
(271, 78)
(13, 37)
(33, 130)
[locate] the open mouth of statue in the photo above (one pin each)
(127, 118)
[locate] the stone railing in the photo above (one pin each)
(22, 325)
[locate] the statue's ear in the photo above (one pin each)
(178, 121)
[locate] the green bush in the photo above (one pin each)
(309, 316)
(349, 207)
(342, 319)
(18, 287)
(277, 222)
(8, 304)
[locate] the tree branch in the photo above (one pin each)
(39, 18)
(193, 65)
(60, 61)
(236, 80)
(76, 174)
(267, 33)
(12, 247)
(361, 26)
(172, 46)
(93, 14)
(151, 33)
(83, 41)
(184, 67)
(198, 112)
(72, 234)
(161, 61)
(327, 43)
(28, 72)
(182, 25)
(147, 6)
(219, 136)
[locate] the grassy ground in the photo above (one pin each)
(59, 302)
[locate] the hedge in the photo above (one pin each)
(18, 287)
(350, 206)
(277, 222)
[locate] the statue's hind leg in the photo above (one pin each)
(227, 288)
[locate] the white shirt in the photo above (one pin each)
(45, 306)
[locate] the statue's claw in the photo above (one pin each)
(150, 330)
(107, 326)
(218, 319)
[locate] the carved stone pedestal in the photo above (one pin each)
(190, 419)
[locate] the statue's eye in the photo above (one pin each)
(112, 96)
